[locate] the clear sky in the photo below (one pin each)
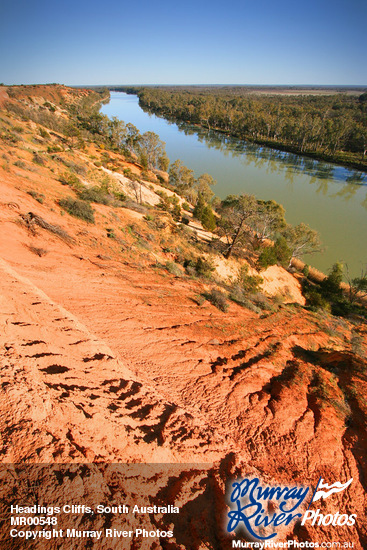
(78, 42)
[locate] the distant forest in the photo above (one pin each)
(329, 126)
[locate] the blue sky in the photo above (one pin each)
(193, 42)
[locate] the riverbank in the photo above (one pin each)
(340, 158)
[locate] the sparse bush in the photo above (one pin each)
(39, 197)
(95, 194)
(199, 267)
(38, 159)
(38, 251)
(67, 178)
(174, 269)
(261, 301)
(249, 283)
(238, 295)
(54, 149)
(78, 209)
(43, 133)
(217, 298)
(20, 164)
(199, 299)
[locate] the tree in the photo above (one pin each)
(203, 185)
(181, 177)
(357, 285)
(132, 138)
(236, 214)
(269, 220)
(330, 286)
(152, 149)
(199, 207)
(301, 240)
(71, 132)
(208, 218)
(117, 132)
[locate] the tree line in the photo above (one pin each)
(146, 148)
(330, 127)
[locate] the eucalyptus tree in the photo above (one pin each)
(237, 212)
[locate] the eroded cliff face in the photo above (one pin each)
(107, 359)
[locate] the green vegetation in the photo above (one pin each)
(199, 267)
(330, 295)
(95, 194)
(331, 127)
(278, 254)
(78, 209)
(39, 197)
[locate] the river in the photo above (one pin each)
(329, 198)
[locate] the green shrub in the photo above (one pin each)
(174, 269)
(249, 283)
(199, 267)
(279, 254)
(67, 178)
(95, 194)
(43, 133)
(78, 209)
(39, 197)
(208, 219)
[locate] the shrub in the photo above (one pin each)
(261, 301)
(176, 212)
(95, 194)
(217, 298)
(67, 178)
(38, 251)
(249, 283)
(38, 159)
(37, 196)
(278, 254)
(43, 133)
(200, 267)
(78, 209)
(239, 296)
(20, 164)
(174, 269)
(208, 219)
